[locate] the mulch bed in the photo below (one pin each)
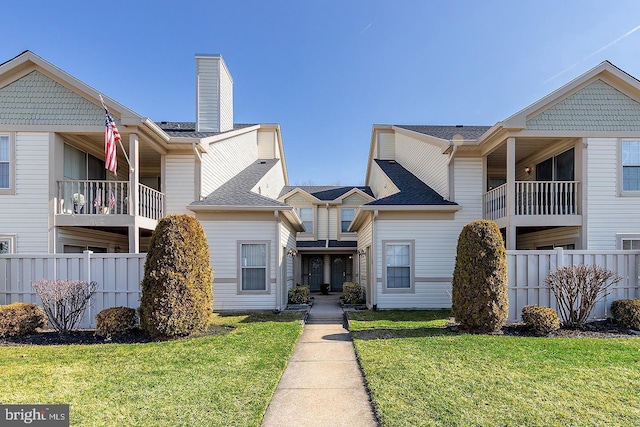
(599, 329)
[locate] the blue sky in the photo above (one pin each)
(326, 71)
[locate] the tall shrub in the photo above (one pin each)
(177, 291)
(479, 287)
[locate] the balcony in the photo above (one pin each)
(534, 199)
(92, 202)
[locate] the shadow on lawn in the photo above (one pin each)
(263, 316)
(390, 333)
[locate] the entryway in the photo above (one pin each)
(341, 271)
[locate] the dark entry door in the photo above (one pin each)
(338, 272)
(315, 273)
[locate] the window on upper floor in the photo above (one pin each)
(306, 215)
(346, 216)
(79, 165)
(630, 165)
(557, 168)
(253, 266)
(6, 164)
(398, 274)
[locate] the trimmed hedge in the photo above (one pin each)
(541, 320)
(299, 294)
(479, 287)
(21, 318)
(352, 293)
(626, 312)
(177, 289)
(116, 320)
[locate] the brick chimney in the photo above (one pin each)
(214, 94)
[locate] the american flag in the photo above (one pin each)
(111, 135)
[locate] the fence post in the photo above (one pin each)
(559, 257)
(87, 277)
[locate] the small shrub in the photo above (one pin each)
(352, 293)
(626, 312)
(578, 288)
(479, 286)
(325, 288)
(20, 319)
(299, 294)
(116, 320)
(64, 301)
(177, 289)
(541, 320)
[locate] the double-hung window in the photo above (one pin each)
(398, 266)
(631, 165)
(306, 215)
(5, 164)
(346, 216)
(253, 266)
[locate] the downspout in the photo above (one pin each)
(374, 270)
(326, 244)
(450, 171)
(198, 172)
(278, 264)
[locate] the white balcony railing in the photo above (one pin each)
(88, 197)
(534, 198)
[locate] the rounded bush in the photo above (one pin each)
(20, 318)
(626, 312)
(116, 320)
(352, 293)
(479, 287)
(299, 294)
(541, 320)
(177, 289)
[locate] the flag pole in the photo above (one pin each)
(120, 140)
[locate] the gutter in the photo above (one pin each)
(326, 245)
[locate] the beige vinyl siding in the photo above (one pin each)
(267, 144)
(271, 183)
(223, 237)
(365, 235)
(86, 237)
(179, 183)
(607, 213)
(288, 240)
(226, 99)
(321, 225)
(354, 200)
(386, 146)
(333, 223)
(25, 214)
(380, 183)
(559, 236)
(435, 244)
(208, 94)
(425, 161)
(225, 159)
(298, 200)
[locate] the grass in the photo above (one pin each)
(226, 379)
(420, 374)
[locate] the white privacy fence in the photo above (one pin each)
(118, 277)
(527, 270)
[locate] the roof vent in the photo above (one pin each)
(459, 126)
(262, 162)
(392, 162)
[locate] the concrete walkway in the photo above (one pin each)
(322, 384)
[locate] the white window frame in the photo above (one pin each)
(11, 240)
(621, 166)
(11, 189)
(313, 220)
(266, 289)
(625, 237)
(342, 220)
(411, 244)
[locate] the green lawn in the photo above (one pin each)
(225, 379)
(422, 375)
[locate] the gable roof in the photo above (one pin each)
(325, 192)
(237, 190)
(412, 190)
(448, 132)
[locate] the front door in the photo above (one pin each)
(315, 272)
(338, 272)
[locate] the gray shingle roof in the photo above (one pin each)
(325, 192)
(188, 129)
(412, 190)
(322, 244)
(237, 191)
(447, 132)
